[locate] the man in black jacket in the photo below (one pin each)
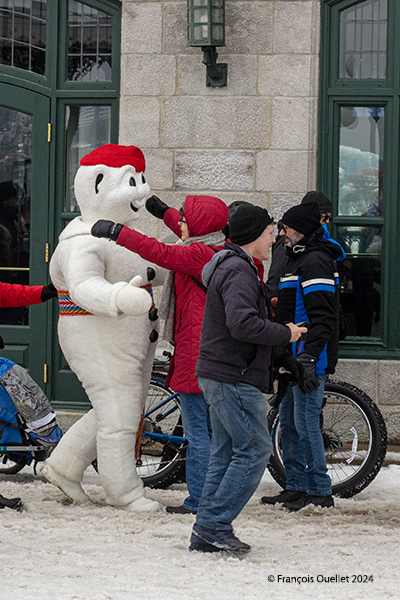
(233, 371)
(308, 291)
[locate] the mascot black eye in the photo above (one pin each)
(143, 179)
(98, 179)
(132, 182)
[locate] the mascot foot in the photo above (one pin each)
(143, 504)
(72, 489)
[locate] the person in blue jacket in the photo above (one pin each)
(279, 256)
(308, 291)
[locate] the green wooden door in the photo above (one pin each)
(24, 209)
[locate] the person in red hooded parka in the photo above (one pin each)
(199, 224)
(12, 296)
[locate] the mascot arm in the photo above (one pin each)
(84, 278)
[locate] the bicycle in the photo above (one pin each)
(353, 430)
(354, 435)
(163, 445)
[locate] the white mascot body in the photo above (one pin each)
(105, 330)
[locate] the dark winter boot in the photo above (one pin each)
(321, 501)
(283, 496)
(14, 503)
(207, 540)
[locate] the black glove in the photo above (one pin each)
(48, 292)
(308, 382)
(289, 368)
(290, 372)
(106, 229)
(156, 207)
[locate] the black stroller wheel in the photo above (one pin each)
(10, 464)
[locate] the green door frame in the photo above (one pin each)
(62, 386)
(334, 93)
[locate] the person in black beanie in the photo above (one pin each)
(279, 256)
(233, 371)
(308, 291)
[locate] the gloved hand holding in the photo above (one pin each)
(290, 372)
(48, 292)
(290, 368)
(106, 229)
(309, 382)
(132, 300)
(156, 207)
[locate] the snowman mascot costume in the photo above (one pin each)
(107, 329)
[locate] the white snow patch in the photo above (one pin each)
(55, 550)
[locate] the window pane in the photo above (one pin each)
(360, 279)
(15, 199)
(89, 37)
(87, 128)
(361, 161)
(363, 41)
(22, 33)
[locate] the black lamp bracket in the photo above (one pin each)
(217, 74)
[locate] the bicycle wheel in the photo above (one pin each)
(354, 435)
(162, 461)
(10, 464)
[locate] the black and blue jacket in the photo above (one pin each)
(309, 291)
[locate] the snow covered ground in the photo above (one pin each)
(54, 550)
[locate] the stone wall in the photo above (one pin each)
(253, 140)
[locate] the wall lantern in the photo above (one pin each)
(206, 28)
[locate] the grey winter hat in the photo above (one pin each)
(325, 205)
(247, 224)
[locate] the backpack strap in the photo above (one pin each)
(12, 425)
(199, 283)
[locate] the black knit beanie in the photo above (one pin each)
(248, 223)
(304, 218)
(325, 205)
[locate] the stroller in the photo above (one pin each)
(28, 426)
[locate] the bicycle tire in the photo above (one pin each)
(162, 463)
(355, 439)
(10, 464)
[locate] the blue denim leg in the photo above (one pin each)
(292, 455)
(302, 443)
(240, 450)
(197, 428)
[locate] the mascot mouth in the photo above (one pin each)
(134, 208)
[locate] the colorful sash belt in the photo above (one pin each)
(68, 307)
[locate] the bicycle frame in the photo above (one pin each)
(161, 436)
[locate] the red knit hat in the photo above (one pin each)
(113, 155)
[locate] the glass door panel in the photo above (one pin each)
(361, 161)
(360, 216)
(87, 128)
(15, 204)
(360, 279)
(24, 210)
(23, 34)
(363, 40)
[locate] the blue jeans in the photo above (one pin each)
(302, 444)
(240, 450)
(197, 428)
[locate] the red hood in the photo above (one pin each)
(205, 214)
